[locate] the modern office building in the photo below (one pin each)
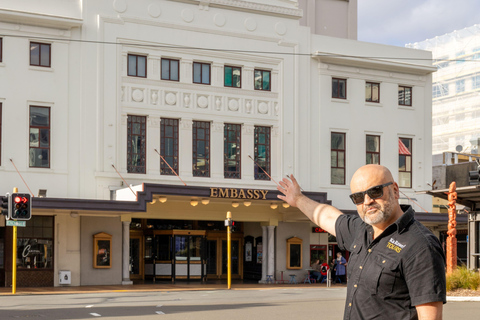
(455, 89)
(137, 124)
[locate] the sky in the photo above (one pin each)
(398, 22)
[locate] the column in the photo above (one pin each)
(126, 253)
(248, 148)
(185, 147)
(264, 254)
(216, 154)
(271, 250)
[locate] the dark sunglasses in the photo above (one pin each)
(374, 193)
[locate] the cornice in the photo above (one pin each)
(38, 19)
(248, 6)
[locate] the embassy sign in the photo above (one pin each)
(233, 193)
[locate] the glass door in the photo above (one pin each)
(136, 255)
(235, 257)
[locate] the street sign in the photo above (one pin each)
(11, 223)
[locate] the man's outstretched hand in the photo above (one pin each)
(291, 191)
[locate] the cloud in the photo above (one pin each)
(398, 22)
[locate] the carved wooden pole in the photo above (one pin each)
(452, 231)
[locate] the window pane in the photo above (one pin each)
(141, 68)
(401, 163)
(404, 179)
(201, 134)
(258, 80)
(44, 138)
(34, 137)
(174, 70)
(408, 96)
(341, 159)
(236, 82)
(197, 71)
(39, 116)
(206, 73)
(338, 141)
(373, 144)
(401, 95)
(334, 88)
(368, 91)
(45, 55)
(376, 93)
(333, 159)
(266, 80)
(228, 76)
(132, 65)
(39, 157)
(338, 176)
(35, 54)
(166, 69)
(341, 89)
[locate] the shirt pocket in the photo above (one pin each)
(355, 250)
(383, 273)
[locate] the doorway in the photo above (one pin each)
(217, 255)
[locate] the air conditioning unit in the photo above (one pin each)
(65, 277)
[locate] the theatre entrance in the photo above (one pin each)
(183, 250)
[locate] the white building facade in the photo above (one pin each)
(94, 93)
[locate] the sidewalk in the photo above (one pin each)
(164, 286)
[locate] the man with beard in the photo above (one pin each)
(396, 268)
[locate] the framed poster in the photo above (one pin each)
(248, 252)
(102, 250)
(259, 253)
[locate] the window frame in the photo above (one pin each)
(40, 54)
(143, 128)
(262, 71)
(372, 84)
(344, 80)
(238, 157)
(201, 73)
(410, 158)
(224, 76)
(39, 135)
(370, 154)
(404, 95)
(169, 69)
(1, 49)
(164, 168)
(195, 171)
(258, 173)
(136, 65)
(22, 235)
(337, 152)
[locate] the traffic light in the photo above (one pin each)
(5, 200)
(21, 207)
(233, 227)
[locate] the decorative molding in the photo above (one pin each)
(254, 7)
(233, 105)
(154, 10)
(138, 94)
(171, 98)
(263, 107)
(202, 102)
(217, 126)
(186, 123)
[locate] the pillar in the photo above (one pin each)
(126, 253)
(271, 250)
(264, 254)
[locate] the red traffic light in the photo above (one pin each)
(17, 199)
(20, 199)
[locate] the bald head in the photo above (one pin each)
(370, 175)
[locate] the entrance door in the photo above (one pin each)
(216, 255)
(235, 257)
(136, 257)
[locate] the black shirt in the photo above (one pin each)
(389, 276)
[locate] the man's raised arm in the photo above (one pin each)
(323, 215)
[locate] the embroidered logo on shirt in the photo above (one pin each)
(395, 245)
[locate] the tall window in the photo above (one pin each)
(169, 146)
(262, 152)
(262, 80)
(404, 96)
(460, 86)
(137, 66)
(439, 90)
(339, 88)
(201, 149)
(232, 150)
(233, 77)
(476, 82)
(373, 149)
(40, 54)
(201, 73)
(405, 162)
(337, 153)
(372, 92)
(170, 69)
(136, 140)
(39, 137)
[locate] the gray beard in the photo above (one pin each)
(378, 218)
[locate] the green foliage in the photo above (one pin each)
(463, 278)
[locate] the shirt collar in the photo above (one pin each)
(407, 217)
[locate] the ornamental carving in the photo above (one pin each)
(233, 105)
(171, 98)
(262, 108)
(202, 102)
(137, 95)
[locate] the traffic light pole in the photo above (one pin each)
(229, 251)
(14, 257)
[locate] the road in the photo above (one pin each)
(262, 304)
